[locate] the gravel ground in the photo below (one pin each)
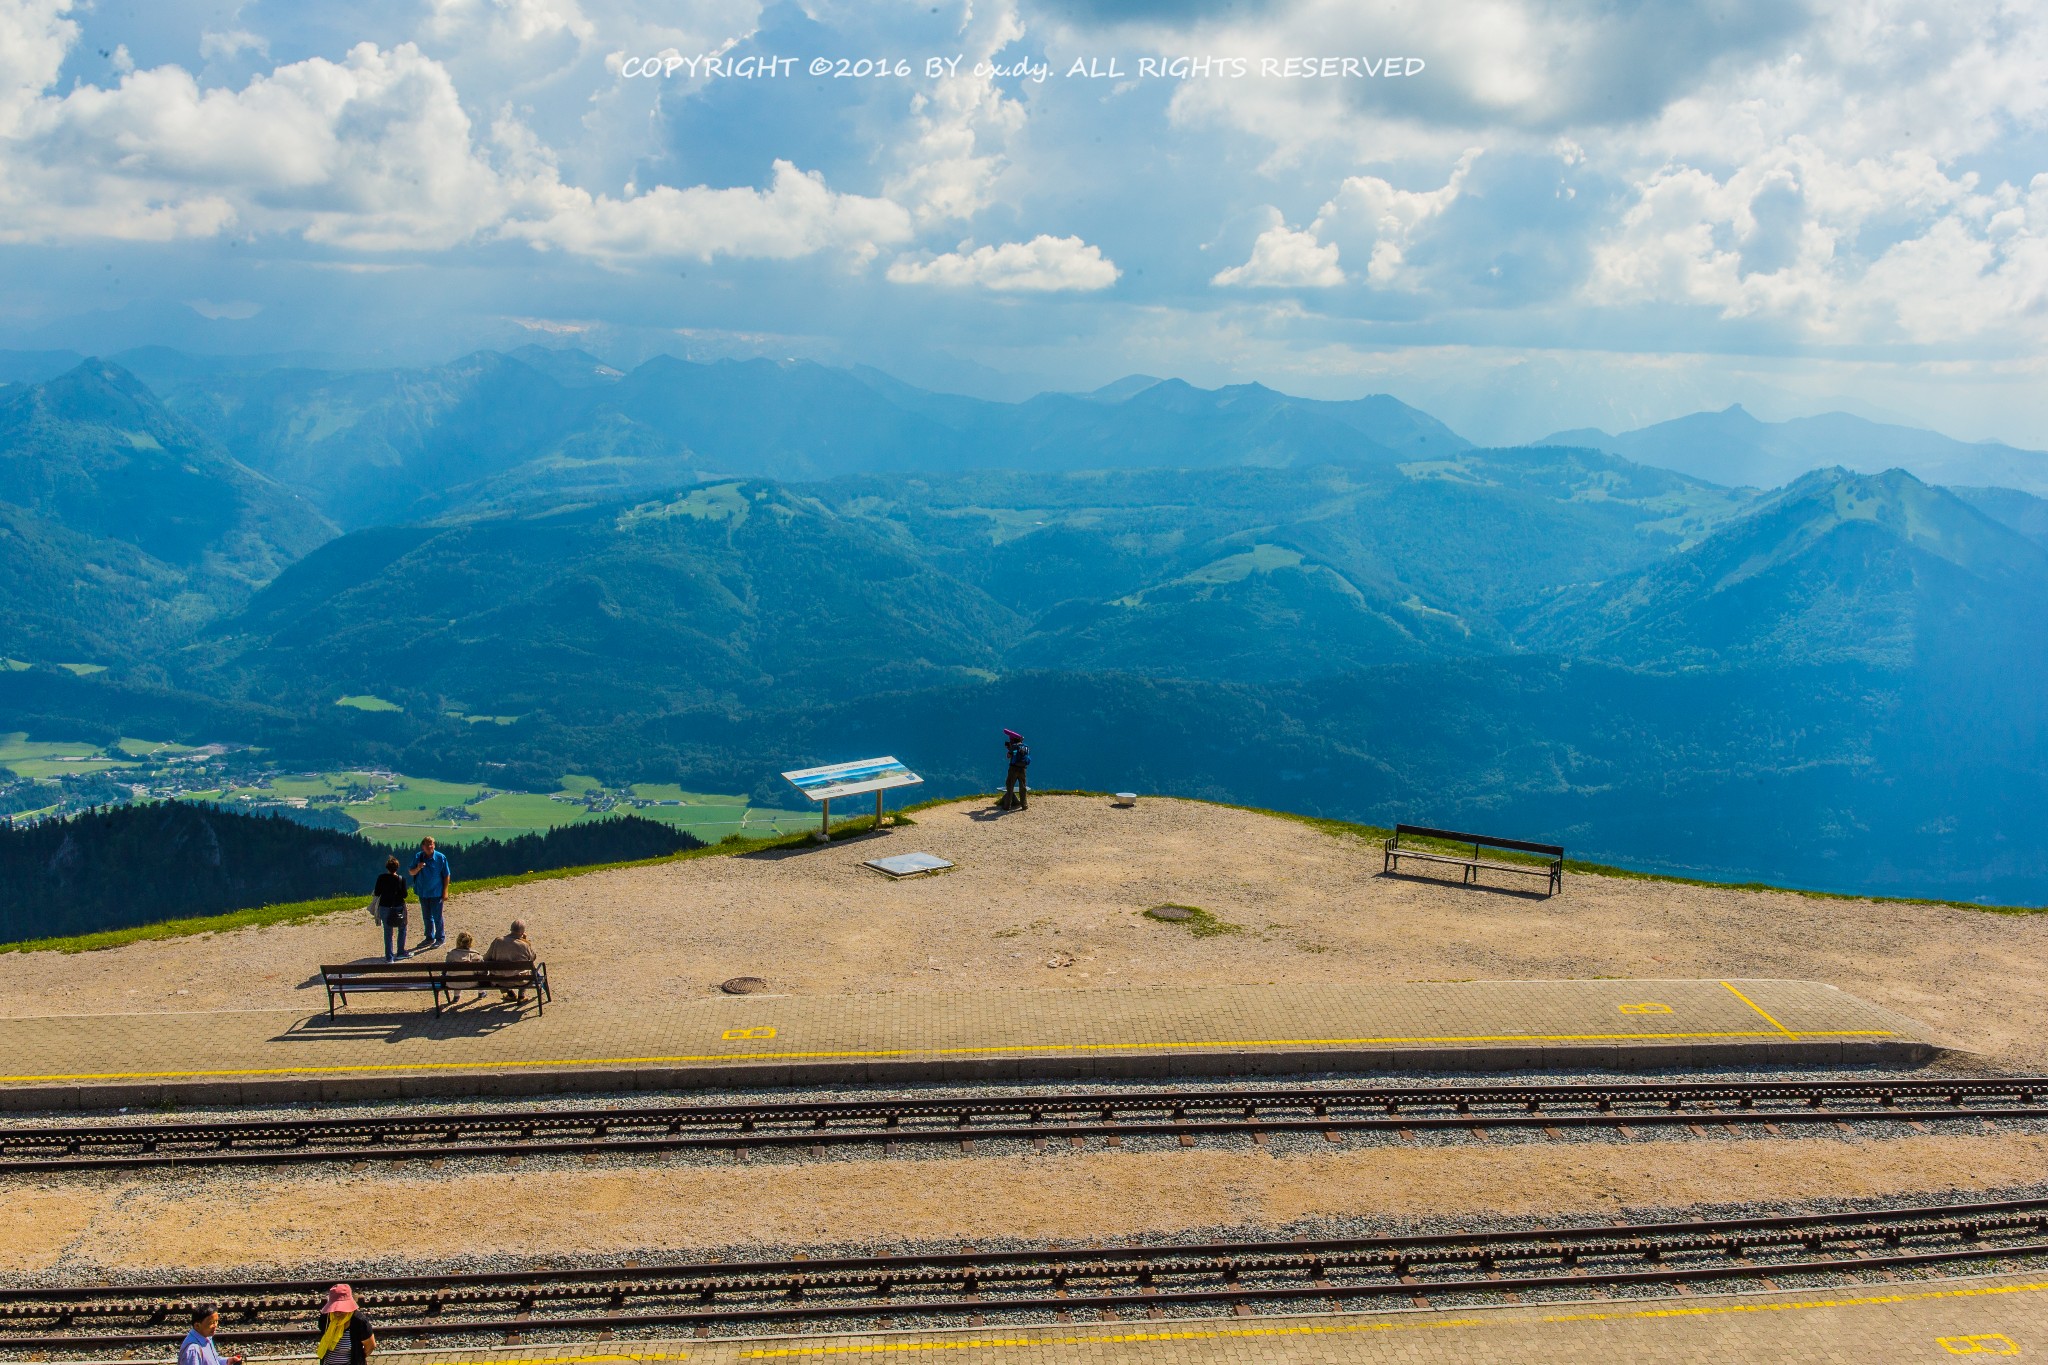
(415, 1216)
(1321, 1226)
(1066, 883)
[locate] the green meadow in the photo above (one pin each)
(392, 807)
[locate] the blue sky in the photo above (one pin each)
(1569, 214)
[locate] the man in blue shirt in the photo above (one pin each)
(197, 1348)
(430, 878)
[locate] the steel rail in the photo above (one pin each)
(1040, 1117)
(1321, 1274)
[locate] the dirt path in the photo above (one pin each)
(1066, 883)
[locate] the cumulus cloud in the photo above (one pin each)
(374, 153)
(1827, 192)
(1388, 220)
(795, 216)
(518, 21)
(1529, 66)
(1044, 264)
(232, 43)
(1284, 257)
(962, 125)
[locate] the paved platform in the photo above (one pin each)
(272, 1056)
(1908, 1323)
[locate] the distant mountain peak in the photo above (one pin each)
(1118, 390)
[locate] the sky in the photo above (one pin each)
(1520, 215)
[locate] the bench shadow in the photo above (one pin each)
(474, 1020)
(1523, 893)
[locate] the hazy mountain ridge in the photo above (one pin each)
(1735, 448)
(492, 430)
(123, 526)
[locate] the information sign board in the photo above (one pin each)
(851, 779)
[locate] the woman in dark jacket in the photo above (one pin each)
(391, 909)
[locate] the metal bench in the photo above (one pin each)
(1553, 870)
(446, 980)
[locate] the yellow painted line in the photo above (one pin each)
(1105, 1339)
(1866, 1301)
(564, 1360)
(1333, 1329)
(485, 1065)
(1730, 986)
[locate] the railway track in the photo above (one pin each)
(1098, 1282)
(1038, 1118)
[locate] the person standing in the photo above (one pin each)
(391, 909)
(1016, 790)
(346, 1336)
(430, 878)
(197, 1348)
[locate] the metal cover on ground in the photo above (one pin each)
(743, 985)
(909, 864)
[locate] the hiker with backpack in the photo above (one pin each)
(1016, 791)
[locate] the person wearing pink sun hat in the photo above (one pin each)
(1016, 791)
(346, 1336)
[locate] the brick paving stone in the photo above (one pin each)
(772, 1039)
(1899, 1324)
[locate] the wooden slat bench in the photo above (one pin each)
(1473, 862)
(447, 980)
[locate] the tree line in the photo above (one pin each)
(122, 866)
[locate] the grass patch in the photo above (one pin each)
(1199, 922)
(367, 702)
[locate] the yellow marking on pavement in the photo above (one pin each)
(485, 1065)
(1646, 1007)
(1759, 1009)
(1192, 1334)
(566, 1360)
(734, 1034)
(1983, 1344)
(1333, 1329)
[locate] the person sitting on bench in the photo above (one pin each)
(514, 947)
(464, 952)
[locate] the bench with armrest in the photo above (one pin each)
(447, 980)
(1472, 862)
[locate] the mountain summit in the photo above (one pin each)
(1838, 567)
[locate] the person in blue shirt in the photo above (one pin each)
(430, 878)
(197, 1348)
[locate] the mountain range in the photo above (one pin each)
(1732, 447)
(716, 572)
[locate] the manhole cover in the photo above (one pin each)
(1172, 912)
(743, 985)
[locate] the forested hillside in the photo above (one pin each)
(1341, 608)
(130, 865)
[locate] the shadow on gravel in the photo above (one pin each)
(1523, 893)
(474, 1020)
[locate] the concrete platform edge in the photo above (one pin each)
(288, 1090)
